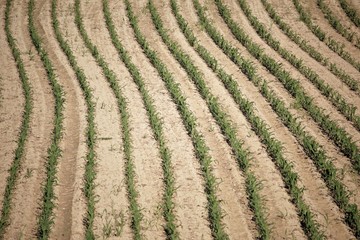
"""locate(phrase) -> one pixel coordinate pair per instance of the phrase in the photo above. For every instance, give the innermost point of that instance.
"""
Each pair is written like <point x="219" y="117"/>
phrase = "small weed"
<point x="31" y="54"/>
<point x="114" y="223"/>
<point x="119" y="223"/>
<point x="29" y="172"/>
<point x="211" y="129"/>
<point x="107" y="226"/>
<point x="112" y="148"/>
<point x="103" y="105"/>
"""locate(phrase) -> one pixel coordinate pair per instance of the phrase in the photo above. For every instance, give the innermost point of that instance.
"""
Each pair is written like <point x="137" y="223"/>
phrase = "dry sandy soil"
<point x="112" y="213"/>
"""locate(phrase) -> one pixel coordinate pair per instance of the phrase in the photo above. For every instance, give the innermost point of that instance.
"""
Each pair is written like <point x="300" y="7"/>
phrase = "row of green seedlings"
<point x="334" y="45"/>
<point x="339" y="136"/>
<point x="311" y="147"/>
<point x="273" y="146"/>
<point x="24" y="129"/>
<point x="350" y="12"/>
<point x="348" y="110"/>
<point x="215" y="213"/>
<point x="304" y="45"/>
<point x="337" y="25"/>
<point x="46" y="218"/>
<point x="135" y="211"/>
<point x="223" y="121"/>
<point x="156" y="125"/>
<point x="90" y="174"/>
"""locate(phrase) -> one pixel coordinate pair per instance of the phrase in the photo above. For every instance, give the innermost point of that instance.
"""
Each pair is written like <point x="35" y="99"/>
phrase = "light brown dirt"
<point x="356" y="5"/>
<point x="190" y="200"/>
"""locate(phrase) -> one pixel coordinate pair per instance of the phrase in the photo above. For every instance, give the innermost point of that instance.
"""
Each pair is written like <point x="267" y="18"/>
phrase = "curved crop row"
<point x="311" y="147"/>
<point x="334" y="45"/>
<point x="24" y="129"/>
<point x="340" y="137"/>
<point x="336" y="24"/>
<point x="90" y="173"/>
<point x="350" y="12"/>
<point x="201" y="150"/>
<point x="135" y="210"/>
<point x="348" y="110"/>
<point x="228" y="130"/>
<point x="303" y="44"/>
<point x="273" y="146"/>
<point x="54" y="151"/>
<point x="156" y="125"/>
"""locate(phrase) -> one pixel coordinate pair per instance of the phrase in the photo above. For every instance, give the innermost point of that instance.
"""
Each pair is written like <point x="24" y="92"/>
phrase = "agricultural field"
<point x="180" y="119"/>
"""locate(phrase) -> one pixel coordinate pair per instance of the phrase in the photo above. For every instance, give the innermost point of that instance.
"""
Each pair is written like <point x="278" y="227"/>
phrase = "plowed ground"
<point x="167" y="164"/>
